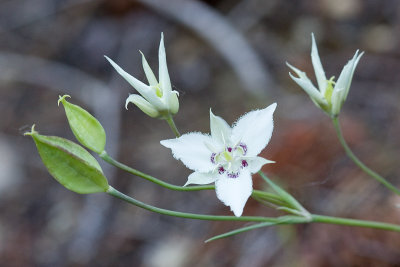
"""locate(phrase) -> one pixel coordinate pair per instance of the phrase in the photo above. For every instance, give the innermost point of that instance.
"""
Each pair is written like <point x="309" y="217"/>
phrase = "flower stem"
<point x="112" y="191"/>
<point x="150" y="178"/>
<point x="279" y="220"/>
<point x="362" y="166"/>
<point x="172" y="125"/>
<point x="354" y="222"/>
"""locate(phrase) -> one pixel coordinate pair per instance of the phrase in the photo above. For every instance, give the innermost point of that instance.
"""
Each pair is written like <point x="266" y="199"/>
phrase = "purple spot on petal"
<point x="233" y="174"/>
<point x="244" y="163"/>
<point x="212" y="158"/>
<point x="244" y="147"/>
<point x="221" y="170"/>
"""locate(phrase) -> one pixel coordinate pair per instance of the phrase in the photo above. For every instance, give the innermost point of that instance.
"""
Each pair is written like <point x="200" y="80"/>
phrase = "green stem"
<point x="354" y="222"/>
<point x="362" y="166"/>
<point x="172" y="125"/>
<point x="150" y="178"/>
<point x="112" y="191"/>
<point x="314" y="218"/>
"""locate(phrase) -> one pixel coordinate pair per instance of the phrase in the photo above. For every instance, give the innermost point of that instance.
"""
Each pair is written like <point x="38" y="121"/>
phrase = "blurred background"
<point x="228" y="55"/>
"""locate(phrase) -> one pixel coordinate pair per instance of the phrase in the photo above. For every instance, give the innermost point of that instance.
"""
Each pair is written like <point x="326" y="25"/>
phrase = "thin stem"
<point x="112" y="191"/>
<point x="358" y="162"/>
<point x="159" y="182"/>
<point x="150" y="178"/>
<point x="315" y="218"/>
<point x="172" y="125"/>
<point x="354" y="222"/>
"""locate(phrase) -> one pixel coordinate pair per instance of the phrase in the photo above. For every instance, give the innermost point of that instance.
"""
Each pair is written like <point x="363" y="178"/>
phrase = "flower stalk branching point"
<point x="227" y="157"/>
<point x="330" y="95"/>
<point x="157" y="99"/>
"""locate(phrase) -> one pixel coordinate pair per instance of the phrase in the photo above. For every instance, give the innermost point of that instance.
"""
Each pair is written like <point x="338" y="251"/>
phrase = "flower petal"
<point x="307" y="85"/>
<point x="255" y="163"/>
<point x="352" y="72"/>
<point x="234" y="192"/>
<point x="254" y="129"/>
<point x="151" y="78"/>
<point x="146" y="91"/>
<point x="337" y="100"/>
<point x="191" y="149"/>
<point x="319" y="70"/>
<point x="142" y="103"/>
<point x="201" y="178"/>
<point x="173" y="103"/>
<point x="220" y="129"/>
<point x="344" y="80"/>
<point x="163" y="75"/>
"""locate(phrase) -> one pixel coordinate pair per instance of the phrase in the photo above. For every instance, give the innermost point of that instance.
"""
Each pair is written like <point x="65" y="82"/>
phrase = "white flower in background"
<point x="157" y="99"/>
<point x="228" y="157"/>
<point x="331" y="95"/>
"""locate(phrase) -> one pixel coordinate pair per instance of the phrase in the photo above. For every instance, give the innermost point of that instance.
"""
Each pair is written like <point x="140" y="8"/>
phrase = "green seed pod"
<point x="86" y="128"/>
<point x="70" y="164"/>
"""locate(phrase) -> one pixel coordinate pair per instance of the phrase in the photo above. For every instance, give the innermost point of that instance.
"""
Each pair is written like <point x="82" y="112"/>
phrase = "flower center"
<point x="230" y="161"/>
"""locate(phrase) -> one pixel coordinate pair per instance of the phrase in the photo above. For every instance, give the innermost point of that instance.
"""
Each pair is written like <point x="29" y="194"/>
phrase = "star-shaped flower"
<point x="331" y="95"/>
<point x="157" y="99"/>
<point x="228" y="156"/>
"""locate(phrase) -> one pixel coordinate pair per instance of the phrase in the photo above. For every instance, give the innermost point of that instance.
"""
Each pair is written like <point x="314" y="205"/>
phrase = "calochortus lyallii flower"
<point x="157" y="99"/>
<point x="331" y="95"/>
<point x="228" y="156"/>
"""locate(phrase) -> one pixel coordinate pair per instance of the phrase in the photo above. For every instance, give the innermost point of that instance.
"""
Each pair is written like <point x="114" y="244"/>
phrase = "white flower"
<point x="228" y="157"/>
<point x="328" y="98"/>
<point x="157" y="99"/>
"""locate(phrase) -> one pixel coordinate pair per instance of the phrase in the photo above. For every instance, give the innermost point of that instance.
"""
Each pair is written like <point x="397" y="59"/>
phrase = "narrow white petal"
<point x="319" y="70"/>
<point x="163" y="75"/>
<point x="307" y="85"/>
<point x="151" y="78"/>
<point x="345" y="74"/>
<point x="173" y="104"/>
<point x="255" y="163"/>
<point x="143" y="104"/>
<point x="337" y="100"/>
<point x="220" y="129"/>
<point x="201" y="178"/>
<point x="146" y="91"/>
<point x="234" y="192"/>
<point x="352" y="73"/>
<point x="344" y="80"/>
<point x="191" y="150"/>
<point x="254" y="129"/>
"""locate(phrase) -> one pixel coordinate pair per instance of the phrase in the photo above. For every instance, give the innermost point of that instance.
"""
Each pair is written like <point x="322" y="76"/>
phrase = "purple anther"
<point x="229" y="149"/>
<point x="244" y="163"/>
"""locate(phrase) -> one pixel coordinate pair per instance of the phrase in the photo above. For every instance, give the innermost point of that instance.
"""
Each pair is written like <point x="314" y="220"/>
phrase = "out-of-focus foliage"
<point x="228" y="55"/>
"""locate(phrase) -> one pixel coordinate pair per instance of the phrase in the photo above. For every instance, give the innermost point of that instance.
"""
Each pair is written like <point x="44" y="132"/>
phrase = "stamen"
<point x="229" y="149"/>
<point x="244" y="163"/>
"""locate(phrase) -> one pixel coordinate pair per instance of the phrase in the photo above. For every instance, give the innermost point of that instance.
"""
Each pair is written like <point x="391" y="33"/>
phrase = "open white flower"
<point x="228" y="157"/>
<point x="157" y="99"/>
<point x="329" y="98"/>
